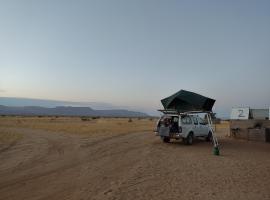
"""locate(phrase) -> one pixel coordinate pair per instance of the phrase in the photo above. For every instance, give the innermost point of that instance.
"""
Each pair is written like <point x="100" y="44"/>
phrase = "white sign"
<point x="240" y="113"/>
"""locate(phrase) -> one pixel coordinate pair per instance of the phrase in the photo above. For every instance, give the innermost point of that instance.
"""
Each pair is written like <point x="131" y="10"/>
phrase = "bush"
<point x="85" y="118"/>
<point x="129" y="120"/>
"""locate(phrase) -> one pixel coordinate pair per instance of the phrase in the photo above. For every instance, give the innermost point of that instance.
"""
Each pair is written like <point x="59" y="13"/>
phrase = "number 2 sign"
<point x="240" y="113"/>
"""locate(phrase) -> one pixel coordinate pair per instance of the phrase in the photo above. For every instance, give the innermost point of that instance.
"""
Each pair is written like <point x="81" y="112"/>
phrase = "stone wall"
<point x="253" y="130"/>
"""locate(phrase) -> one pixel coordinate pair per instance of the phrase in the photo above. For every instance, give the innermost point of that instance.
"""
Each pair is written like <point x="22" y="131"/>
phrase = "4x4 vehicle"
<point x="187" y="127"/>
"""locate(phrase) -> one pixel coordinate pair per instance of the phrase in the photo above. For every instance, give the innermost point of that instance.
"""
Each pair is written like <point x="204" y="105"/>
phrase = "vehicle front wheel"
<point x="189" y="139"/>
<point x="166" y="139"/>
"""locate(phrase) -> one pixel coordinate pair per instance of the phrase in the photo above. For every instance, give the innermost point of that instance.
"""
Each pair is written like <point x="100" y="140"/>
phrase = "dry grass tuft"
<point x="8" y="138"/>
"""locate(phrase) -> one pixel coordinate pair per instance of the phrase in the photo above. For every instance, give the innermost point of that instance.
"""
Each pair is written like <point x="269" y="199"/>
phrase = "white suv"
<point x="186" y="127"/>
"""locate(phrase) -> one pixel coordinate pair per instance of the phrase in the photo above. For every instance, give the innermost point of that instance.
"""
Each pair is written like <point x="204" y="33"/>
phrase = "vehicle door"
<point x="196" y="126"/>
<point x="164" y="129"/>
<point x="175" y="124"/>
<point x="203" y="127"/>
<point x="186" y="124"/>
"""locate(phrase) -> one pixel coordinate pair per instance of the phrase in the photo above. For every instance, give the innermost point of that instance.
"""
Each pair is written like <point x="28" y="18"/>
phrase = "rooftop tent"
<point x="185" y="101"/>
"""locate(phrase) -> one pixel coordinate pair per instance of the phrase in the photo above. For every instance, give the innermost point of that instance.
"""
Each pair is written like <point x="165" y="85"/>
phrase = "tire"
<point x="209" y="137"/>
<point x="189" y="139"/>
<point x="165" y="139"/>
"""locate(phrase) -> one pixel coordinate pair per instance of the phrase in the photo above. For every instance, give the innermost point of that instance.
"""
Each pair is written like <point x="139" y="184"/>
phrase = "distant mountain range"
<point x="31" y="107"/>
<point x="14" y="101"/>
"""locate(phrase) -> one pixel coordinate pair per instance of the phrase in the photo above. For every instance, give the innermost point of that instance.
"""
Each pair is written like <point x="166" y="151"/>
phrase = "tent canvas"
<point x="185" y="101"/>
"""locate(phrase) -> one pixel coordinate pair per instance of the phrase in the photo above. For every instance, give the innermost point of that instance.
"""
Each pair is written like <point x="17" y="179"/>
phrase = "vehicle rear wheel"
<point x="189" y="139"/>
<point x="166" y="139"/>
<point x="209" y="137"/>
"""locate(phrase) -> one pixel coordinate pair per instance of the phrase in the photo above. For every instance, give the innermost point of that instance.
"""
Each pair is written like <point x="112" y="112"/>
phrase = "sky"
<point x="133" y="53"/>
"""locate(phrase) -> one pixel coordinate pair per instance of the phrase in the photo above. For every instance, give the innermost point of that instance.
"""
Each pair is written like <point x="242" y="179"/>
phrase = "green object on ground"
<point x="216" y="151"/>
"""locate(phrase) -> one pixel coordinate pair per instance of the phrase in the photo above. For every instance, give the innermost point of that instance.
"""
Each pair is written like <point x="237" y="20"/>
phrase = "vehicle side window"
<point x="186" y="120"/>
<point x="201" y="121"/>
<point x="165" y="121"/>
<point x="189" y="120"/>
<point x="175" y="119"/>
<point x="195" y="120"/>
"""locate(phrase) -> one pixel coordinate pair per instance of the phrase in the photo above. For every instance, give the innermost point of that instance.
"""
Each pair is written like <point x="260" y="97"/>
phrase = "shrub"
<point x="85" y="118"/>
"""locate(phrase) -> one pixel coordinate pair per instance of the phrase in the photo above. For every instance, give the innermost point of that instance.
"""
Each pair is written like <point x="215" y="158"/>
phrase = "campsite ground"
<point x="71" y="158"/>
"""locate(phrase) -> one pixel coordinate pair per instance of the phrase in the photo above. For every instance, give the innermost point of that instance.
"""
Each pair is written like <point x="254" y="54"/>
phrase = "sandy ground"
<point x="50" y="165"/>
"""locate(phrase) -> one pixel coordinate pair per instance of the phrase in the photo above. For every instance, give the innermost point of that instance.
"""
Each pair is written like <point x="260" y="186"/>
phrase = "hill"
<point x="66" y="111"/>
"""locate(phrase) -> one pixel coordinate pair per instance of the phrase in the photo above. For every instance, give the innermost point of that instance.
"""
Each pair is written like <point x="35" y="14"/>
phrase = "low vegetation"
<point x="81" y="125"/>
<point x="8" y="138"/>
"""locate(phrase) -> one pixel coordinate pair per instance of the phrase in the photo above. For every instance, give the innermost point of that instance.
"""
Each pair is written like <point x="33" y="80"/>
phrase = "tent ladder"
<point x="214" y="138"/>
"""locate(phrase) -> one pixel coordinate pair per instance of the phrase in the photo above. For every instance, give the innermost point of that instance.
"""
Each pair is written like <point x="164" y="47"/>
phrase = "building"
<point x="259" y="114"/>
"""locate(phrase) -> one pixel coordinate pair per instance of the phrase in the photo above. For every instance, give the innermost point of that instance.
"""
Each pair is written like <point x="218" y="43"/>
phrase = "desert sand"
<point x="48" y="162"/>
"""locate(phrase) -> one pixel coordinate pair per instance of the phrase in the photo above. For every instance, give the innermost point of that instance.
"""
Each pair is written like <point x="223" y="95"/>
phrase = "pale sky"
<point x="134" y="53"/>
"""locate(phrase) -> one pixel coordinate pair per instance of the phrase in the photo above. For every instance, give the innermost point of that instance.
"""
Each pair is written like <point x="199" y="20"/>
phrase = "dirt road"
<point x="47" y="165"/>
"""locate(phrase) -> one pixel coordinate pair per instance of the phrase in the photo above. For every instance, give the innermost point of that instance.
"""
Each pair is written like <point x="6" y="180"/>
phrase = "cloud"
<point x="2" y="91"/>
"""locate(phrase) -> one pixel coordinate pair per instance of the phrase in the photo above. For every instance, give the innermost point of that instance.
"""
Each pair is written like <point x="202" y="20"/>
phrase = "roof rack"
<point x="172" y="111"/>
